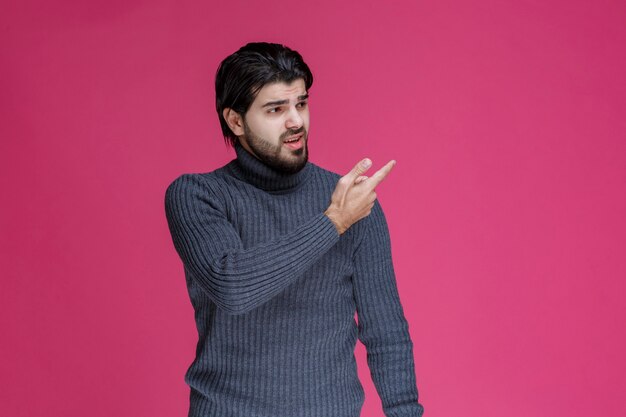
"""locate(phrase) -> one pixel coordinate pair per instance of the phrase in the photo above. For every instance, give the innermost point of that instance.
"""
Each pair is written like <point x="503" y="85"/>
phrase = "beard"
<point x="270" y="154"/>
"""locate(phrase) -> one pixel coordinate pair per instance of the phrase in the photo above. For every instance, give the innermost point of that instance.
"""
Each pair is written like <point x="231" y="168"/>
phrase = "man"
<point x="279" y="254"/>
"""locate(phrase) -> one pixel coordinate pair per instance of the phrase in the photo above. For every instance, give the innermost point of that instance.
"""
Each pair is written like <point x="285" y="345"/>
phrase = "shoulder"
<point x="323" y="172"/>
<point x="190" y="189"/>
<point x="323" y="177"/>
<point x="199" y="181"/>
<point x="375" y="221"/>
<point x="191" y="182"/>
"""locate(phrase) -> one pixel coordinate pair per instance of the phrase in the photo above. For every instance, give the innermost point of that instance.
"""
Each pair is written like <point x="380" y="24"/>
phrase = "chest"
<point x="260" y="216"/>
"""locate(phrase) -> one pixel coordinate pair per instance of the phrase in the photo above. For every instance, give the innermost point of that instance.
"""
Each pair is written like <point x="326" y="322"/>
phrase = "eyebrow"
<point x="281" y="102"/>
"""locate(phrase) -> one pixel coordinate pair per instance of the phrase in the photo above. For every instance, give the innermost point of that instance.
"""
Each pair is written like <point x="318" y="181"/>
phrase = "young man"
<point x="279" y="254"/>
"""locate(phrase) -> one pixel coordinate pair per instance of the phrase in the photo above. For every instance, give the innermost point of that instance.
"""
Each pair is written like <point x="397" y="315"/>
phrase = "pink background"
<point x="507" y="208"/>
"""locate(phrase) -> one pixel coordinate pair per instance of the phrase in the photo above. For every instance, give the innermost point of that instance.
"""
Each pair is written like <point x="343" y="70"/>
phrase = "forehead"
<point x="280" y="91"/>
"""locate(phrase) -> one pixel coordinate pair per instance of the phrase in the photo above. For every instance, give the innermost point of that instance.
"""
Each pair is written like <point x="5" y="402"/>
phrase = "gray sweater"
<point x="275" y="290"/>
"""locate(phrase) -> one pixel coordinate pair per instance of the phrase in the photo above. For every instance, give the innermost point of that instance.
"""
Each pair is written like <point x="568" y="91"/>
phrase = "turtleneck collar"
<point x="251" y="170"/>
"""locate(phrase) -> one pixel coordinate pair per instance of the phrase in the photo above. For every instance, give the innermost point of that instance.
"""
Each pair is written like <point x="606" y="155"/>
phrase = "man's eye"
<point x="302" y="104"/>
<point x="274" y="110"/>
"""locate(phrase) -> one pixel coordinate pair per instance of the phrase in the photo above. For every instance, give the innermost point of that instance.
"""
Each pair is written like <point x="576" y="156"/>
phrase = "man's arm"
<point x="383" y="328"/>
<point x="238" y="279"/>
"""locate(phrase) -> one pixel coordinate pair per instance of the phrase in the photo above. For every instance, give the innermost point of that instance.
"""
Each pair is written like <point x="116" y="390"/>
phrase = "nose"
<point x="294" y="119"/>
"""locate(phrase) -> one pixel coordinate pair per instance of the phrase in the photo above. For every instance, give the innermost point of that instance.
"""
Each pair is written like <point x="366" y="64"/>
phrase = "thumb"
<point x="359" y="169"/>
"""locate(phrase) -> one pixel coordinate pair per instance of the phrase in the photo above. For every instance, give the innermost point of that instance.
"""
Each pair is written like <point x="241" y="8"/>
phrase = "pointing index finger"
<point x="382" y="173"/>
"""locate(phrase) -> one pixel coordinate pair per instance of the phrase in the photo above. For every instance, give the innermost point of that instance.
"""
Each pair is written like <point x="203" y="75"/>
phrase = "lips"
<point x="294" y="142"/>
<point x="293" y="138"/>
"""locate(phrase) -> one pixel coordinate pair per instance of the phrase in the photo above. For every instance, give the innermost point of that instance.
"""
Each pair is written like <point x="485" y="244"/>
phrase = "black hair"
<point x="241" y="75"/>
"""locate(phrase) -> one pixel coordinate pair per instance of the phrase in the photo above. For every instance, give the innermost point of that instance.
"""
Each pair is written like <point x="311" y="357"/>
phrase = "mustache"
<point x="292" y="132"/>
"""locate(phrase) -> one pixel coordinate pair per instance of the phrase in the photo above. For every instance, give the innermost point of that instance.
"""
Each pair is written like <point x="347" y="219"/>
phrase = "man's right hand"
<point x="354" y="195"/>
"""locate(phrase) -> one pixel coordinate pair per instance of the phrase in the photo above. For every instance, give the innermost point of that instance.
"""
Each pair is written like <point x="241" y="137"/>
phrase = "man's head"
<point x="261" y="95"/>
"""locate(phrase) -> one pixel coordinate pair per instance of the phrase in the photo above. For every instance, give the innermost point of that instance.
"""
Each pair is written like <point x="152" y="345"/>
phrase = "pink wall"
<point x="507" y="207"/>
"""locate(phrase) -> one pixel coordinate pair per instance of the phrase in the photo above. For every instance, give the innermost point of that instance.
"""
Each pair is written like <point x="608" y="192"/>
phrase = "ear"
<point x="234" y="121"/>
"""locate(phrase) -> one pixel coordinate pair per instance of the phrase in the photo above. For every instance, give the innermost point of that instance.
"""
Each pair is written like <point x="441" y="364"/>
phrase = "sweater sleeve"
<point x="237" y="279"/>
<point x="383" y="329"/>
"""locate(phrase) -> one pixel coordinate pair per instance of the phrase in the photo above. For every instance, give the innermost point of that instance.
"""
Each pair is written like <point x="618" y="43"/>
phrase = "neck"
<point x="249" y="168"/>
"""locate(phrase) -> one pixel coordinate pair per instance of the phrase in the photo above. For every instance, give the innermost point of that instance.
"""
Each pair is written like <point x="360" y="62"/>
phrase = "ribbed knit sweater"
<point x="275" y="290"/>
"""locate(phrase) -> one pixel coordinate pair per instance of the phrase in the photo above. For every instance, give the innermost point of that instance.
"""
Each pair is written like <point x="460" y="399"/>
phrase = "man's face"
<point x="276" y="126"/>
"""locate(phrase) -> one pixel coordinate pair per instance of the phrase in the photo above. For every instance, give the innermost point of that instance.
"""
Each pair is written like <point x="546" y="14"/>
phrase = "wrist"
<point x="334" y="218"/>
